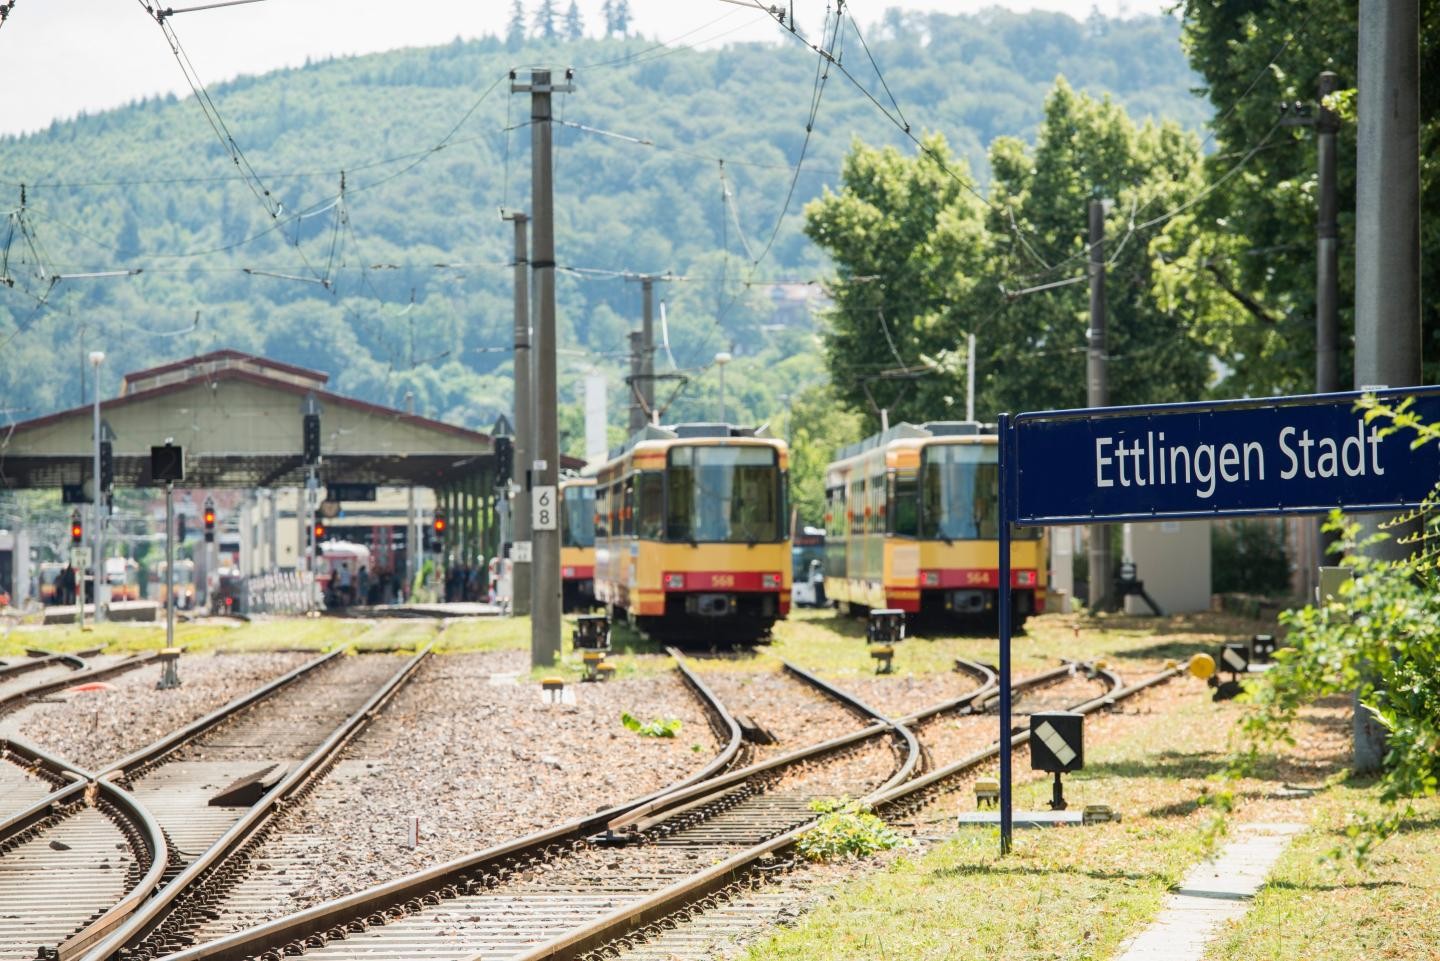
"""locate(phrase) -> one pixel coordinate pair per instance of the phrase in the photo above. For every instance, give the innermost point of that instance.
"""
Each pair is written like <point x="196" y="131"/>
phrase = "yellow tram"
<point x="691" y="533"/>
<point x="577" y="543"/>
<point x="912" y="523"/>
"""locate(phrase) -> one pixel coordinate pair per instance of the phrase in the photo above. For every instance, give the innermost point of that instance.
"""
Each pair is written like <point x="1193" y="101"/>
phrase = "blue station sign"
<point x="1290" y="455"/>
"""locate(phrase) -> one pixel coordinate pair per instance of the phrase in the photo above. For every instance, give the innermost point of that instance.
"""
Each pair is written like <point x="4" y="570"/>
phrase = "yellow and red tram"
<point x="691" y="533"/>
<point x="577" y="543"/>
<point x="912" y="523"/>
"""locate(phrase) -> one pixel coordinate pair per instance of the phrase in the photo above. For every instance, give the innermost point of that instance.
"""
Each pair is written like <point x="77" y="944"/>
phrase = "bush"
<point x="845" y="830"/>
<point x="1248" y="557"/>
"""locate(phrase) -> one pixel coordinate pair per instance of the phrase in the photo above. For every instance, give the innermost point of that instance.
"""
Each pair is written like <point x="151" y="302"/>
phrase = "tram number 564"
<point x="542" y="508"/>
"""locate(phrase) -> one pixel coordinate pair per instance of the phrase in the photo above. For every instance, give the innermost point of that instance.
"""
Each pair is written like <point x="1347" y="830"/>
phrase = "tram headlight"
<point x="770" y="582"/>
<point x="932" y="578"/>
<point x="1024" y="578"/>
<point x="674" y="582"/>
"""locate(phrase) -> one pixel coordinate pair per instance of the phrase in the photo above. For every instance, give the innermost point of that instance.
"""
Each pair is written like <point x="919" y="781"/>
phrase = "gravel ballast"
<point x="478" y="757"/>
<point x="93" y="728"/>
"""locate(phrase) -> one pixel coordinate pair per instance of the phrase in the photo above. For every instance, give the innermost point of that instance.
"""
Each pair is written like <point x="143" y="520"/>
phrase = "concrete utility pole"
<point x="545" y="469"/>
<point x="646" y="385"/>
<point x="1327" y="251"/>
<point x="524" y="419"/>
<point x="413" y="537"/>
<point x="1097" y="395"/>
<point x="638" y="415"/>
<point x="1387" y="239"/>
<point x="97" y="536"/>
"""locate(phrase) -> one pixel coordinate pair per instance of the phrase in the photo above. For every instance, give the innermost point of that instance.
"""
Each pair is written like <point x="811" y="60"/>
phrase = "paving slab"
<point x="1213" y="893"/>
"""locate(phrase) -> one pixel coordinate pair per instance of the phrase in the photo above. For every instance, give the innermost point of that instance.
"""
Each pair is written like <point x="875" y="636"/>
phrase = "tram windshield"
<point x="725" y="494"/>
<point x="577" y="517"/>
<point x="960" y="494"/>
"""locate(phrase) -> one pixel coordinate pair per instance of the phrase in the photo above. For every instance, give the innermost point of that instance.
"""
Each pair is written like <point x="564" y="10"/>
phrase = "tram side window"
<point x="904" y="503"/>
<point x="650" y="505"/>
<point x="627" y="519"/>
<point x="602" y="510"/>
<point x="877" y="504"/>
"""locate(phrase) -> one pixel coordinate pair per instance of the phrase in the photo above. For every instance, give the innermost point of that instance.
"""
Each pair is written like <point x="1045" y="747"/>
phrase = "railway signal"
<point x="319" y="531"/>
<point x="504" y="460"/>
<point x="77" y="529"/>
<point x="209" y="521"/>
<point x="1057" y="746"/>
<point x="107" y="465"/>
<point x="312" y="438"/>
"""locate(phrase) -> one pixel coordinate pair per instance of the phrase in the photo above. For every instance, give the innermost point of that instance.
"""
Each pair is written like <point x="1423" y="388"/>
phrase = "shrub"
<point x="1248" y="557"/>
<point x="844" y="830"/>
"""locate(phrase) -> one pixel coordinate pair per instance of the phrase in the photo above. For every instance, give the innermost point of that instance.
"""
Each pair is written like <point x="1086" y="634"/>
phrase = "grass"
<point x="1076" y="893"/>
<point x="1322" y="910"/>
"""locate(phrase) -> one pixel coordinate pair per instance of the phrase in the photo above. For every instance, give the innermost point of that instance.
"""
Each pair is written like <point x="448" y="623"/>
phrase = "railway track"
<point x="151" y="813"/>
<point x="502" y="901"/>
<point x="57" y="672"/>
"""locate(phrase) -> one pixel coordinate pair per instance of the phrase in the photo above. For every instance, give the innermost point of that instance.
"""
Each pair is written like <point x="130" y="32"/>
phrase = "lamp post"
<point x="721" y="359"/>
<point x="97" y="542"/>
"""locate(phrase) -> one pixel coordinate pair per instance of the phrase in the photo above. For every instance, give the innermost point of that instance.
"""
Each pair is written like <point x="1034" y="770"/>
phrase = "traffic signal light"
<point x="436" y="536"/>
<point x="107" y="465"/>
<point x="209" y="522"/>
<point x="77" y="530"/>
<point x="504" y="460"/>
<point x="319" y="531"/>
<point x="312" y="438"/>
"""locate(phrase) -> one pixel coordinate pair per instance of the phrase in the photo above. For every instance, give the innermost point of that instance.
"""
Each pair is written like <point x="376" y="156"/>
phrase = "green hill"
<point x="403" y="284"/>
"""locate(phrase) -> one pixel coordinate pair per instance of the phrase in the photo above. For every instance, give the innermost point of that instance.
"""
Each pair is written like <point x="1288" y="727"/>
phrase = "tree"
<point x="545" y="21"/>
<point x="904" y="236"/>
<point x="923" y="260"/>
<point x="515" y="30"/>
<point x="1032" y="346"/>
<point x="1249" y="248"/>
<point x="619" y="18"/>
<point x="574" y="24"/>
<point x="816" y="427"/>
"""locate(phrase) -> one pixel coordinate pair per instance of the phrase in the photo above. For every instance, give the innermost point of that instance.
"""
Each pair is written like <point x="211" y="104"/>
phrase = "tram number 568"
<point x="543" y="515"/>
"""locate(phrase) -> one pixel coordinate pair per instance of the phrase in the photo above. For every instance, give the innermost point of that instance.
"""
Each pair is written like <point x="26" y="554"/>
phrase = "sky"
<point x="61" y="57"/>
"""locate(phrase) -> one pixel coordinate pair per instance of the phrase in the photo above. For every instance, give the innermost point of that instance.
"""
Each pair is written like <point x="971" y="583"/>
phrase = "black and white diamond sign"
<point x="1057" y="742"/>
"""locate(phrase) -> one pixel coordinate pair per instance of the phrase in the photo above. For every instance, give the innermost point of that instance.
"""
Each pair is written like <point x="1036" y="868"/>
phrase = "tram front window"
<point x="577" y="524"/>
<point x="724" y="494"/>
<point x="960" y="494"/>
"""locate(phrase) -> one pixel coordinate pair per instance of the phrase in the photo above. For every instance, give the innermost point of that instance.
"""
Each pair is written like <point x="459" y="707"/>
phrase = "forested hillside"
<point x="400" y="281"/>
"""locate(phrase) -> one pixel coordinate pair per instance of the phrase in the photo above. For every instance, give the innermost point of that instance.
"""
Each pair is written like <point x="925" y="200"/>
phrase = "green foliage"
<point x="1381" y="639"/>
<point x="1245" y="257"/>
<point x="818" y="427"/>
<point x="418" y="292"/>
<point x="659" y="727"/>
<point x="922" y="262"/>
<point x="1248" y="557"/>
<point x="845" y="830"/>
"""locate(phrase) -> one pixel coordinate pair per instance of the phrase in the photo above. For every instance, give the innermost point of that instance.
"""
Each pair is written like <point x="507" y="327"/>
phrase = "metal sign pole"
<point x="170" y="563"/>
<point x="1006" y="510"/>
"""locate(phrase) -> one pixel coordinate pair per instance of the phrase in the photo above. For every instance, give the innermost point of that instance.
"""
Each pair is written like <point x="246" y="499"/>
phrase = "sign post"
<point x="1306" y="454"/>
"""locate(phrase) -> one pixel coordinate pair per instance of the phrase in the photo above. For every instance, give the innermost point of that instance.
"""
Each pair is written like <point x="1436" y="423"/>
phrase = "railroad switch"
<point x="884" y="655"/>
<point x="554" y="689"/>
<point x="169" y="673"/>
<point x="987" y="792"/>
<point x="593" y="660"/>
<point x="1098" y="814"/>
<point x="1057" y="745"/>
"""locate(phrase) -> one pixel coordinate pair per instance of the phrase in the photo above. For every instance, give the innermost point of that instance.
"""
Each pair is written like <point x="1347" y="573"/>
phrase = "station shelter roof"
<point x="238" y="418"/>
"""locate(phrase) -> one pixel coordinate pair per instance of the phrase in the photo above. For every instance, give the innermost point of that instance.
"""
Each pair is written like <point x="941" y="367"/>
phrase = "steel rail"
<point x="15" y="824"/>
<point x="123" y="806"/>
<point x="389" y="900"/>
<point x="663" y="904"/>
<point x="9" y="702"/>
<point x="152" y="754"/>
<point x="39" y="659"/>
<point x="900" y="730"/>
<point x="158" y="908"/>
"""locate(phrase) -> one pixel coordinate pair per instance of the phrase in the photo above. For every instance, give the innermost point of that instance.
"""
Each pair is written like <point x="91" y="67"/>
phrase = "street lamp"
<point x="721" y="359"/>
<point x="97" y="560"/>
